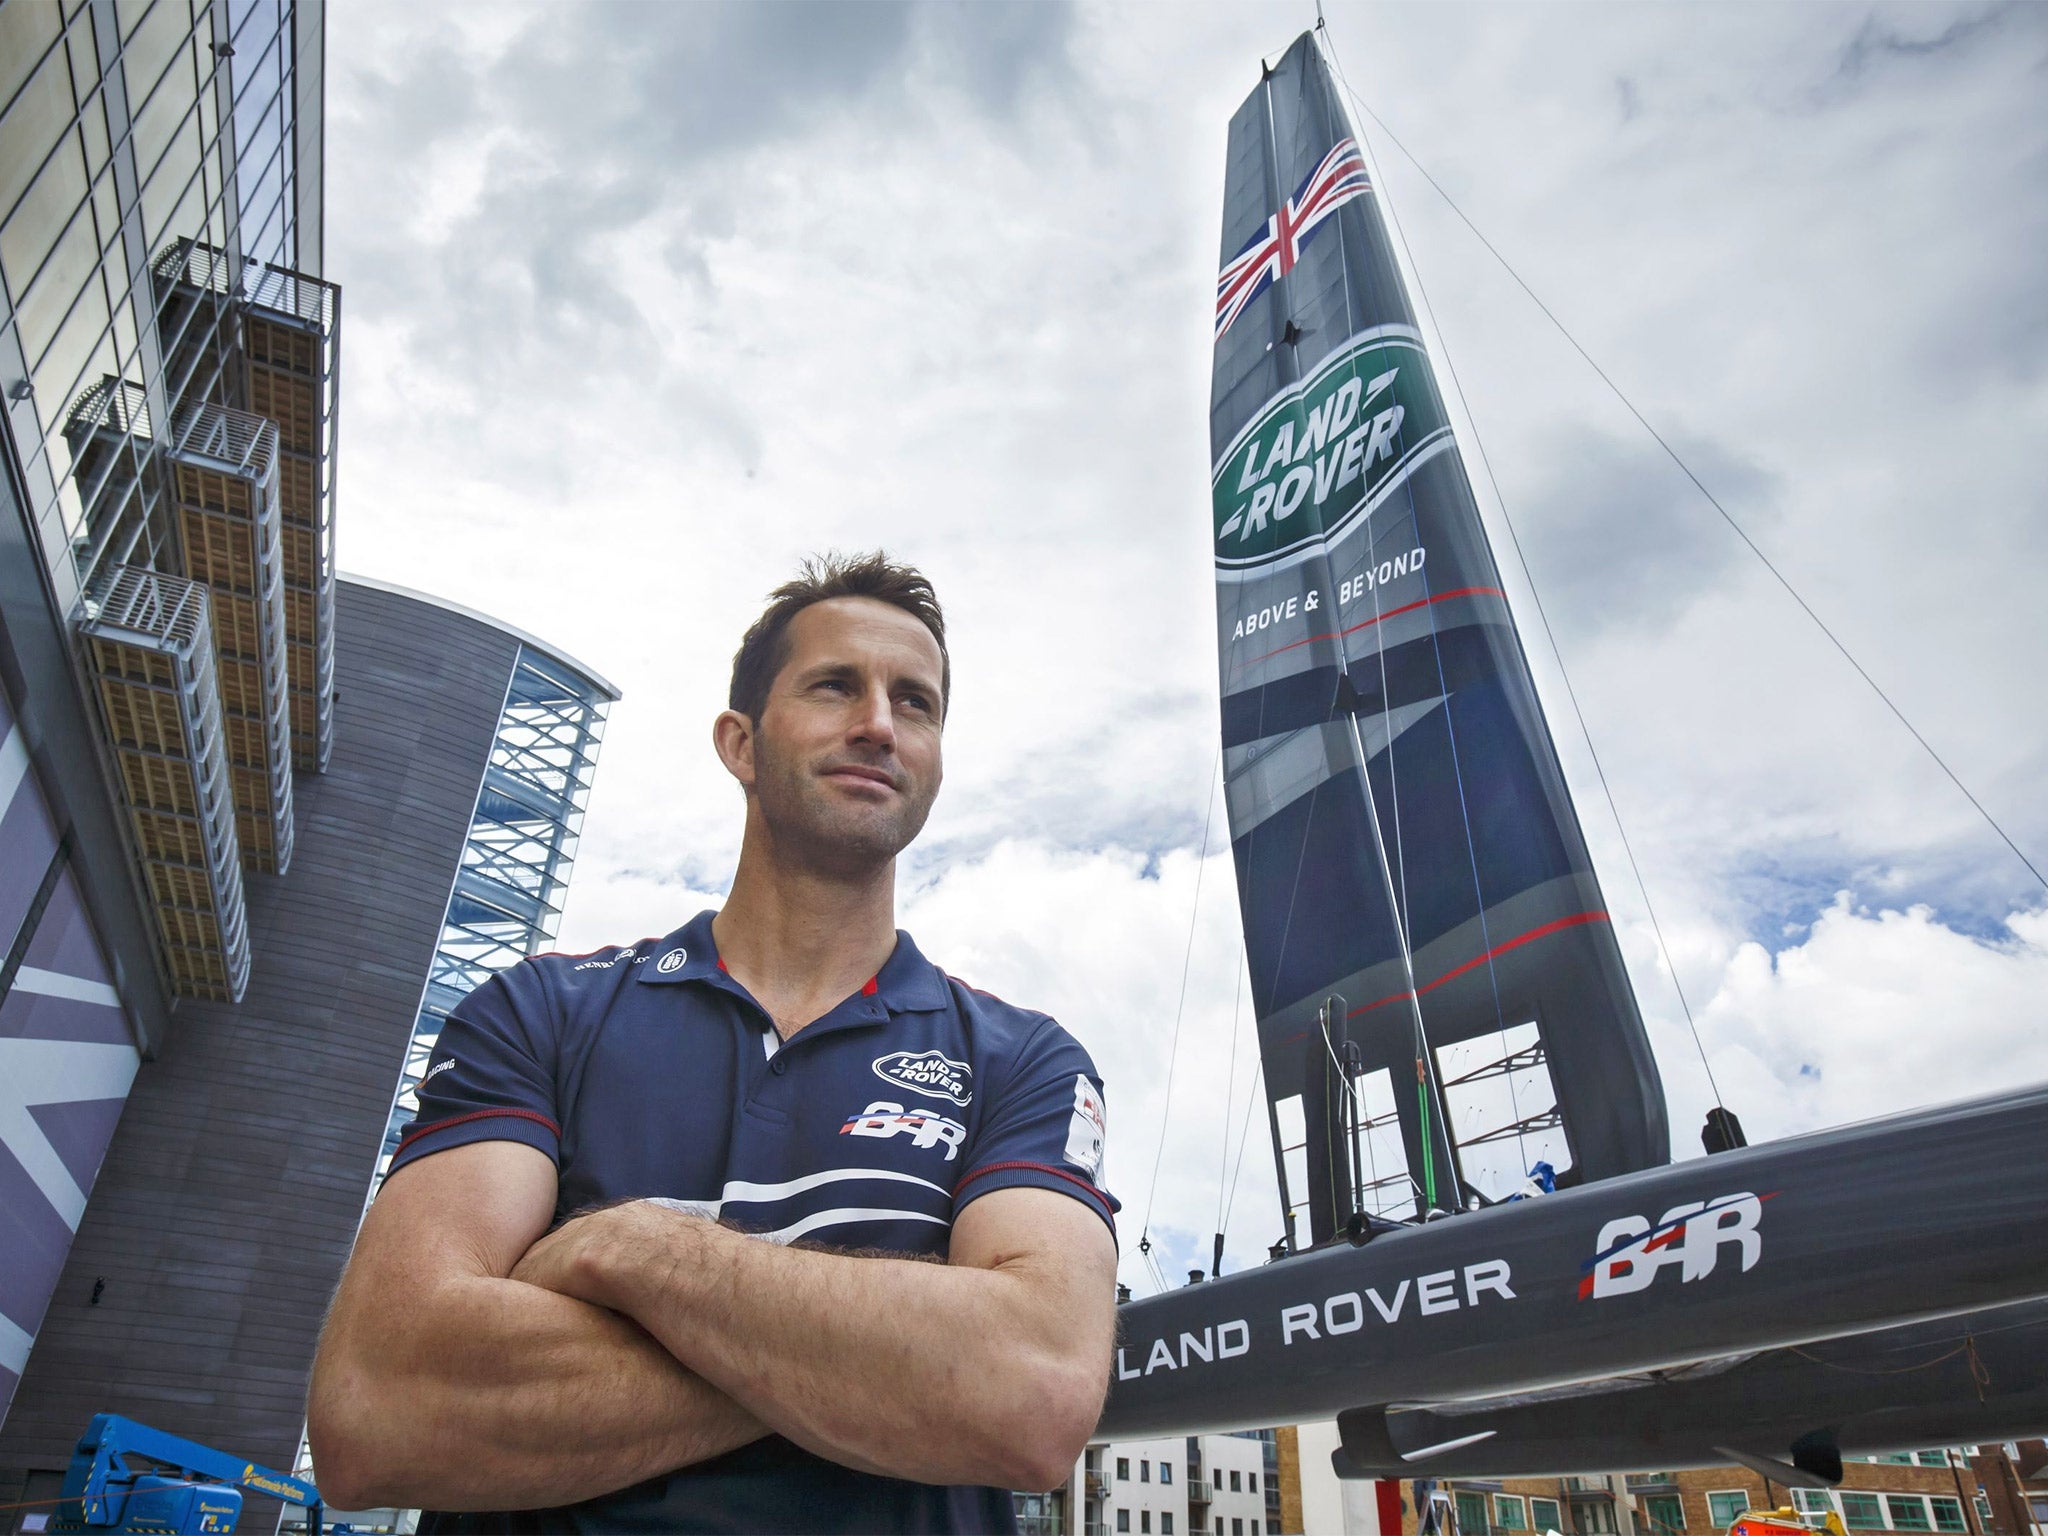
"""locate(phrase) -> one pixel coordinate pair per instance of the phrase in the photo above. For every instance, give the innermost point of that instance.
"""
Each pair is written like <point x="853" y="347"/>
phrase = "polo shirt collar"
<point x="906" y="983"/>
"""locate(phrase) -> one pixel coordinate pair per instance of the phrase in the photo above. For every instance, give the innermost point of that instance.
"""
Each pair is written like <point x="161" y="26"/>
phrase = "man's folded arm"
<point x="988" y="1369"/>
<point x="441" y="1383"/>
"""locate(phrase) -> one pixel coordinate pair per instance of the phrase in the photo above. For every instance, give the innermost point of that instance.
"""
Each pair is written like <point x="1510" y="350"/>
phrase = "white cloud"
<point x="644" y="303"/>
<point x="1876" y="1011"/>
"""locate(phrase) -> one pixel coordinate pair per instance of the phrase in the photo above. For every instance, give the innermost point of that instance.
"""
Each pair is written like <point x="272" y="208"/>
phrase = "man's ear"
<point x="732" y="735"/>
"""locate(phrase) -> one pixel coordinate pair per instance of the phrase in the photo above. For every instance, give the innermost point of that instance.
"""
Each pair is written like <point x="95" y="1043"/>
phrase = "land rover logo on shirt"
<point x="673" y="961"/>
<point x="928" y="1072"/>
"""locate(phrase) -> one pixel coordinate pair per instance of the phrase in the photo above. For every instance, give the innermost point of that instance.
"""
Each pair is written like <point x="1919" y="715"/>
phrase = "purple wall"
<point x="66" y="1059"/>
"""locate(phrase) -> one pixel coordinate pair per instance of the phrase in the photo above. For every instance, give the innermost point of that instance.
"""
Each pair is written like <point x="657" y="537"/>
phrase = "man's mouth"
<point x="862" y="774"/>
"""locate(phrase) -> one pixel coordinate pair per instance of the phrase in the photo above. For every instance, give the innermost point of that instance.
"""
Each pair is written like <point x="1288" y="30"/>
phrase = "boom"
<point x="100" y="1485"/>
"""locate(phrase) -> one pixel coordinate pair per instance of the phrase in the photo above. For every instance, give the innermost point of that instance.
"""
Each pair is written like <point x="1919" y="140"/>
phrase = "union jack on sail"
<point x="1272" y="252"/>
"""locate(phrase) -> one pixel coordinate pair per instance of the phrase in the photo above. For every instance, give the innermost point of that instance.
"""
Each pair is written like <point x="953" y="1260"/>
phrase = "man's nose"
<point x="875" y="720"/>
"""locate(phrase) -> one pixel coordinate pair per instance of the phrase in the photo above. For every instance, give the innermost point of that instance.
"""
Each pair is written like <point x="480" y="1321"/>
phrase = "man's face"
<point x="846" y="752"/>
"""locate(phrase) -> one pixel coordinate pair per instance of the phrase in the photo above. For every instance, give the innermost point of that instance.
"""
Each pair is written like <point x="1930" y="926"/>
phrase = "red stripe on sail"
<point x="1420" y="602"/>
<point x="1577" y="919"/>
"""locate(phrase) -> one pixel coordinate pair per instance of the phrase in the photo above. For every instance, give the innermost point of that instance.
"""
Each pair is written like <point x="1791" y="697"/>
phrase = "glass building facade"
<point x="507" y="900"/>
<point x="167" y="412"/>
<point x="150" y="160"/>
<point x="260" y="827"/>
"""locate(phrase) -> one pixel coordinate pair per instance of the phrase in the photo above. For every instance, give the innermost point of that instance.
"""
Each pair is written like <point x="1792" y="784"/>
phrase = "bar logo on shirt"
<point x="928" y="1072"/>
<point x="1085" y="1132"/>
<point x="924" y="1130"/>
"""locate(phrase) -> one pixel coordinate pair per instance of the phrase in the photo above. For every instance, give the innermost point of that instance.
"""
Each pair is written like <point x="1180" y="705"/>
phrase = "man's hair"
<point x="764" y="650"/>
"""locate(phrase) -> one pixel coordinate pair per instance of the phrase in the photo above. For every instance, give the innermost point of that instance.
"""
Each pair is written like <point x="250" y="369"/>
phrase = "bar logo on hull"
<point x="1632" y="1252"/>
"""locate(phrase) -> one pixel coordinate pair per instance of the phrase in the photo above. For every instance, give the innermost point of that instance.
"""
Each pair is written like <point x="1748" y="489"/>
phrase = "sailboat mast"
<point x="1285" y="338"/>
<point x="1403" y="834"/>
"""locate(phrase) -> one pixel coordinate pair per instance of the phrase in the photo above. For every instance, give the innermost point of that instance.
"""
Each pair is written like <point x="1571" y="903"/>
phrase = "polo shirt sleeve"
<point x="1044" y="1129"/>
<point x="491" y="1075"/>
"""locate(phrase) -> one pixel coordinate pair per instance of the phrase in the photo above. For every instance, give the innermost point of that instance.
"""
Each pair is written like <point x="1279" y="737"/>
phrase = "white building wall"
<point x="1146" y="1483"/>
<point x="1330" y="1505"/>
<point x="1221" y="1456"/>
<point x="1153" y="1488"/>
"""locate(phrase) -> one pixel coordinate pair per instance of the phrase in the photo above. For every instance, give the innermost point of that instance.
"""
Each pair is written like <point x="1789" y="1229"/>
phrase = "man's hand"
<point x="579" y="1257"/>
<point x="989" y="1369"/>
<point x="442" y="1383"/>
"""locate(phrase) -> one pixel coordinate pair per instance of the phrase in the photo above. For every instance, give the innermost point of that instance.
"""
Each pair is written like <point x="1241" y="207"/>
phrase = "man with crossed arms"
<point x="929" y="1321"/>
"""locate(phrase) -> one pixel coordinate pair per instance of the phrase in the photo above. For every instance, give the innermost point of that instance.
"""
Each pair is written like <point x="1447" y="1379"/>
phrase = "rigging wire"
<point x="1180" y="1008"/>
<point x="1358" y="1106"/>
<point x="1685" y="469"/>
<point x="1522" y="559"/>
<point x="1244" y="1136"/>
<point x="1230" y="1085"/>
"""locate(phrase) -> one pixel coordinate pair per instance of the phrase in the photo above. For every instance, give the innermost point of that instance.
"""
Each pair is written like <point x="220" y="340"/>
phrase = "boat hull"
<point x="1979" y="1377"/>
<point x="1912" y="1218"/>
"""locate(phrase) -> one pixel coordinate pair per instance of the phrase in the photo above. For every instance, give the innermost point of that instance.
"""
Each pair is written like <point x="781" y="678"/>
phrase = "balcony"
<point x="222" y="467"/>
<point x="287" y="368"/>
<point x="150" y="651"/>
<point x="111" y="437"/>
<point x="291" y="348"/>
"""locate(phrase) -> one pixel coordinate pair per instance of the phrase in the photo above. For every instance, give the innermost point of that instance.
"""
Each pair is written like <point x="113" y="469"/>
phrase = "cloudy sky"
<point x="644" y="302"/>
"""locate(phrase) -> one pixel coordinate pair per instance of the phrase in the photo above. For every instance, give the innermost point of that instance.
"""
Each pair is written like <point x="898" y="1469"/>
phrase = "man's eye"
<point x="918" y="701"/>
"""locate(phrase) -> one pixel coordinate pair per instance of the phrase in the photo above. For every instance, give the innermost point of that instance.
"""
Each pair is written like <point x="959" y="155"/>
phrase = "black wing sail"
<point x="1386" y="760"/>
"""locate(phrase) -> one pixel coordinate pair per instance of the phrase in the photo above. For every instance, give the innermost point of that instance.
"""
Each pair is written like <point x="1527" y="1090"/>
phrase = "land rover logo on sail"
<point x="928" y="1072"/>
<point x="1324" y="450"/>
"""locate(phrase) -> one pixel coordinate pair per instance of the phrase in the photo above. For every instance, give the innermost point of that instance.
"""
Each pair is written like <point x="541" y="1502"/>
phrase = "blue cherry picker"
<point x="125" y="1476"/>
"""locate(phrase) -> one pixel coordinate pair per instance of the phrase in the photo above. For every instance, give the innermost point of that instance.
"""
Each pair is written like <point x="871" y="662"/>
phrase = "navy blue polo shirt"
<point x="648" y="1071"/>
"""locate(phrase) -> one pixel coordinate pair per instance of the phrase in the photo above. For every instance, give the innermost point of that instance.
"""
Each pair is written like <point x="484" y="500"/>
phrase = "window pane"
<point x="45" y="217"/>
<point x="25" y="31"/>
<point x="41" y="115"/>
<point x="1509" y="1513"/>
<point x="1948" y="1515"/>
<point x="1546" y="1515"/>
<point x="1724" y="1509"/>
<point x="1666" y="1514"/>
<point x="1908" y="1512"/>
<point x="1813" y="1500"/>
<point x="1860" y="1511"/>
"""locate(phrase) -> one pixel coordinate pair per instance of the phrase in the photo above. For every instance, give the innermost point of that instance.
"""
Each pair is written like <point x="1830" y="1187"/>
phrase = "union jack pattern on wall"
<point x="1273" y="251"/>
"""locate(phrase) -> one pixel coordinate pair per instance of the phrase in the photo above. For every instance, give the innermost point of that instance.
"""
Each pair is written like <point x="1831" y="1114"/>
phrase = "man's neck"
<point x="802" y="941"/>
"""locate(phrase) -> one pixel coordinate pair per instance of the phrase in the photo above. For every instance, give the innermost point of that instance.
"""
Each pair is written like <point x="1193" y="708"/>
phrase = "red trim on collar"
<point x="721" y="965"/>
<point x="874" y="985"/>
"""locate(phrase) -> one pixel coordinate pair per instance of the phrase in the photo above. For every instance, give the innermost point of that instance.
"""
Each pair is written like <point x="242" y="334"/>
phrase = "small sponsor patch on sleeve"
<point x="1086" y="1130"/>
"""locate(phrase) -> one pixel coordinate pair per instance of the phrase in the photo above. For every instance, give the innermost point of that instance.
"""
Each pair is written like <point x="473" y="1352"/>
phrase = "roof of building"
<point x="605" y="685"/>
